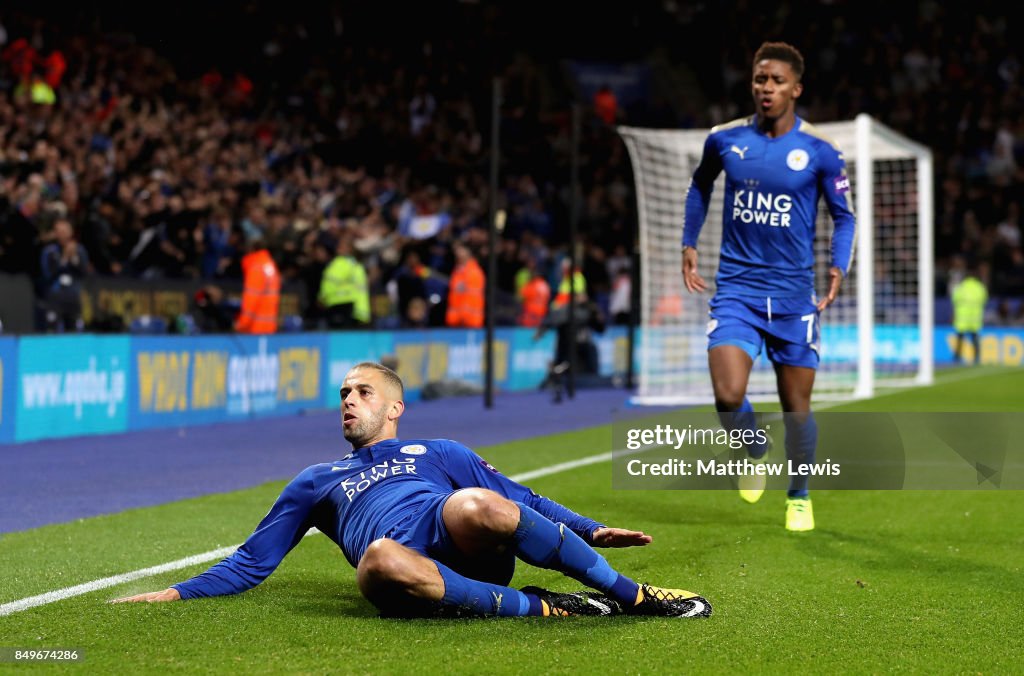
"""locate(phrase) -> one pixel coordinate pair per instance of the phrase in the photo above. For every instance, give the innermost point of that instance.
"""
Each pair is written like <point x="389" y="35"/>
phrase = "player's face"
<point x="366" y="402"/>
<point x="775" y="88"/>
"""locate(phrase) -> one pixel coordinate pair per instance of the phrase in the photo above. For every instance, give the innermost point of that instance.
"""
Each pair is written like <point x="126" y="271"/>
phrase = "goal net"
<point x="877" y="333"/>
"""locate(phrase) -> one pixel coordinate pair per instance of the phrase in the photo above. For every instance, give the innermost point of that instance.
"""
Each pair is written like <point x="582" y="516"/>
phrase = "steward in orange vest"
<point x="535" y="297"/>
<point x="261" y="293"/>
<point x="465" y="291"/>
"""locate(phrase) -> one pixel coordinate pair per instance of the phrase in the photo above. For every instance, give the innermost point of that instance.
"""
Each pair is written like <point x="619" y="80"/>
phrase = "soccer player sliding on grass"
<point x="433" y="530"/>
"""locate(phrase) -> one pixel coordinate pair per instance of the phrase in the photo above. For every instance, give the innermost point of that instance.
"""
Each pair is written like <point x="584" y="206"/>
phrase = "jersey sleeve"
<point x="835" y="188"/>
<point x="278" y="532"/>
<point x="698" y="195"/>
<point x="469" y="470"/>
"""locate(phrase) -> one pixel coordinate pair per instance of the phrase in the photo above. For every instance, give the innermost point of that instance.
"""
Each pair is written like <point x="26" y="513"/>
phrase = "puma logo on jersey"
<point x="738" y="151"/>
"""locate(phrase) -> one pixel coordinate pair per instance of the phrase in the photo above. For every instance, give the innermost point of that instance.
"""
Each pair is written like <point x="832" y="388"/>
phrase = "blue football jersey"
<point x="363" y="497"/>
<point x="772" y="188"/>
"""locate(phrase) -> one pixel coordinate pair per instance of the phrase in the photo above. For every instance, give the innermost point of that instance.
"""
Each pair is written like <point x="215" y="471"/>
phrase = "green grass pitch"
<point x="911" y="581"/>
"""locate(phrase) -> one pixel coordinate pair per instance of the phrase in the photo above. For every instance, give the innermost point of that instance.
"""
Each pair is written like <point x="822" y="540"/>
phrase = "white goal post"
<point x="880" y="330"/>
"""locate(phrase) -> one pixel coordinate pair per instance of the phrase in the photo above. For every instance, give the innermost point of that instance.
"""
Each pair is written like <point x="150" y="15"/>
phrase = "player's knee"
<point x="729" y="398"/>
<point x="480" y="512"/>
<point x="386" y="564"/>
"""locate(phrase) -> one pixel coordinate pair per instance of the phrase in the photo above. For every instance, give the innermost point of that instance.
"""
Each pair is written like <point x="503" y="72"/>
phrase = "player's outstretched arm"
<point x="619" y="537"/>
<point x="169" y="594"/>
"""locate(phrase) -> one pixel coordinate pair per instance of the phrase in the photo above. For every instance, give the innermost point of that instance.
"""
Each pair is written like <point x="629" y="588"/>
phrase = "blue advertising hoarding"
<point x="1001" y="346"/>
<point x="218" y="378"/>
<point x="8" y="387"/>
<point x="72" y="385"/>
<point x="529" y="358"/>
<point x="894" y="344"/>
<point x="58" y="386"/>
<point x="276" y="375"/>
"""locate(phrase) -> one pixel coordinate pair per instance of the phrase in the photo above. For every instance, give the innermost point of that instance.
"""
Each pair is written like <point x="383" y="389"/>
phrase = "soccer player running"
<point x="433" y="529"/>
<point x="777" y="167"/>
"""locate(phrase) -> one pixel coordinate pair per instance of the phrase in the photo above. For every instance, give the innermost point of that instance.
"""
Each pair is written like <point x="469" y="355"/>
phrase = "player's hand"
<point x="692" y="280"/>
<point x="835" y="280"/>
<point x="170" y="594"/>
<point x="619" y="537"/>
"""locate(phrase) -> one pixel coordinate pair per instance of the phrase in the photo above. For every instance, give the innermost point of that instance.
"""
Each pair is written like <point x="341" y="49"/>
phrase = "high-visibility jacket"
<point x="344" y="281"/>
<point x="466" y="296"/>
<point x="969" y="298"/>
<point x="535" y="297"/>
<point x="579" y="285"/>
<point x="261" y="294"/>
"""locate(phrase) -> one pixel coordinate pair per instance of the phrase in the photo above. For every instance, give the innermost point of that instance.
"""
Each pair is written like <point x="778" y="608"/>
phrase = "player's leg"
<point x="792" y="346"/>
<point x="478" y="520"/>
<point x="976" y="342"/>
<point x="957" y="347"/>
<point x="795" y="384"/>
<point x="403" y="582"/>
<point x="391" y="575"/>
<point x="730" y="367"/>
<point x="734" y="342"/>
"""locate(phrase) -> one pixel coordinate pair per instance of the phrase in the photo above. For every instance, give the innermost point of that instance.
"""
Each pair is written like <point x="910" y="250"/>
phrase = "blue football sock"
<point x="744" y="419"/>
<point x="546" y="544"/>
<point x="485" y="598"/>
<point x="801" y="442"/>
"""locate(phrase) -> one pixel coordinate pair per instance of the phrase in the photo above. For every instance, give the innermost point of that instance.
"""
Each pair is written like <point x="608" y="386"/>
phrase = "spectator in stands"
<point x="465" y="290"/>
<point x="261" y="291"/>
<point x="101" y="239"/>
<point x="508" y="262"/>
<point x="318" y="253"/>
<point x="606" y="105"/>
<point x="1010" y="284"/>
<point x="620" y="302"/>
<point x="408" y="281"/>
<point x="416" y="315"/>
<point x="63" y="265"/>
<point x="212" y="312"/>
<point x="220" y="245"/>
<point x="422" y="108"/>
<point x="127" y="124"/>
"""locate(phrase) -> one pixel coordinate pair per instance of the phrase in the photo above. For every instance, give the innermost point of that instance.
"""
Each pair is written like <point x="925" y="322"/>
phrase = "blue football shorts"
<point x="424" y="531"/>
<point x="788" y="329"/>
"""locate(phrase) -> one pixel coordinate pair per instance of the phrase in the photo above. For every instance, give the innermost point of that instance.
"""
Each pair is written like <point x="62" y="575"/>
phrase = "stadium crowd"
<point x="323" y="142"/>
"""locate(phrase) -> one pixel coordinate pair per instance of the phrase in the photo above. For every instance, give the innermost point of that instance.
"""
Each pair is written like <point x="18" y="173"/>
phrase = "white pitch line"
<point x="214" y="554"/>
<point x="103" y="583"/>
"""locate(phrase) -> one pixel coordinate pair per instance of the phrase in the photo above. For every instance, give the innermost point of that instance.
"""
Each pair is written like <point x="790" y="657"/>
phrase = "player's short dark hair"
<point x="390" y="376"/>
<point x="781" y="51"/>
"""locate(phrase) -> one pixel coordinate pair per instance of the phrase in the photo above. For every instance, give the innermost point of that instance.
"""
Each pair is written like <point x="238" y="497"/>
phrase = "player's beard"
<point x="366" y="429"/>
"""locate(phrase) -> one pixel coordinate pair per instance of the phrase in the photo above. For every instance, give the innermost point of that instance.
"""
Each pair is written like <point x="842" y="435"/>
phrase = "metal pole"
<point x="574" y="217"/>
<point x="634" y="315"/>
<point x="492" y="245"/>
